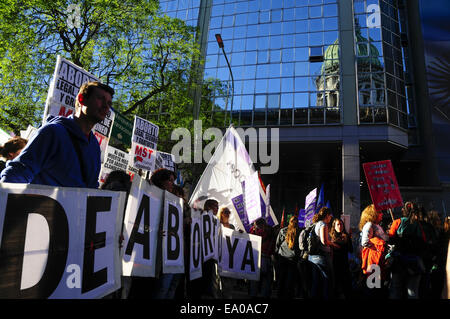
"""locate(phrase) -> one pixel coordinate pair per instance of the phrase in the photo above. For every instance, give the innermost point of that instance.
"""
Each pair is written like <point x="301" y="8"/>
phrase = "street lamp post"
<point x="220" y="43"/>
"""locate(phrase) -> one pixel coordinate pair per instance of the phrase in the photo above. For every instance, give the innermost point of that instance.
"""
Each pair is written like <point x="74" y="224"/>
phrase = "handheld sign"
<point x="195" y="270"/>
<point x="141" y="228"/>
<point x="173" y="243"/>
<point x="59" y="242"/>
<point x="241" y="255"/>
<point x="383" y="185"/>
<point x="143" y="146"/>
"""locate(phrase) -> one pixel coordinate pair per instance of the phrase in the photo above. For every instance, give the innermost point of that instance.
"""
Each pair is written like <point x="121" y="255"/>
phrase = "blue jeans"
<point x="167" y="285"/>
<point x="321" y="276"/>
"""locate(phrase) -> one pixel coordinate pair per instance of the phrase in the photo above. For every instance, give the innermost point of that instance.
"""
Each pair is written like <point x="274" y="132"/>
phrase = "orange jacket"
<point x="371" y="255"/>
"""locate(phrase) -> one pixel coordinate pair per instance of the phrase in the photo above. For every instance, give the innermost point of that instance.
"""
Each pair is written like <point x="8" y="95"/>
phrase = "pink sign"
<point x="383" y="185"/>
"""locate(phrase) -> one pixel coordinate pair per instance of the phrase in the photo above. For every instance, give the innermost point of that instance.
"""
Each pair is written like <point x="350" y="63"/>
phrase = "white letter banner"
<point x="141" y="228"/>
<point x="252" y="197"/>
<point x="210" y="228"/>
<point x="173" y="244"/>
<point x="195" y="256"/>
<point x="241" y="255"/>
<point x="59" y="242"/>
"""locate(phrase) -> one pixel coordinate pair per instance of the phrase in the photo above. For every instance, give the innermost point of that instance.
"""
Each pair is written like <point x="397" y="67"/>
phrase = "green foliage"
<point x="129" y="45"/>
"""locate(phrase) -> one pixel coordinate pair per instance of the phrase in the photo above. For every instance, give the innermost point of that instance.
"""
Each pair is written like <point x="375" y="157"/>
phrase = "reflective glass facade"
<point x="285" y="60"/>
<point x="282" y="54"/>
<point x="186" y="10"/>
<point x="382" y="96"/>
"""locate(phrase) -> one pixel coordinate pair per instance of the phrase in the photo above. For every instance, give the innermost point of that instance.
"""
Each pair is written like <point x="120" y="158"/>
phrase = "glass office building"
<point x="336" y="77"/>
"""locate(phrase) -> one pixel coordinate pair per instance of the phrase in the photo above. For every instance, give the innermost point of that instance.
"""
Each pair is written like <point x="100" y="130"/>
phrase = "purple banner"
<point x="301" y="218"/>
<point x="239" y="205"/>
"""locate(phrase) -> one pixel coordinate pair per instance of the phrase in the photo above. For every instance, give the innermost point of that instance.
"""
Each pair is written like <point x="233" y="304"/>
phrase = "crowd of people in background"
<point x="388" y="258"/>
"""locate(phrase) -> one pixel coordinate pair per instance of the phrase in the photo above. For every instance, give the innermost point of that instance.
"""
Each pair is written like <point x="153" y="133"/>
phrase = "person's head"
<point x="93" y="101"/>
<point x="337" y="228"/>
<point x="163" y="178"/>
<point x="411" y="210"/>
<point x="370" y="214"/>
<point x="117" y="181"/>
<point x="211" y="204"/>
<point x="292" y="231"/>
<point x="260" y="222"/>
<point x="224" y="215"/>
<point x="434" y="219"/>
<point x="12" y="148"/>
<point x="324" y="215"/>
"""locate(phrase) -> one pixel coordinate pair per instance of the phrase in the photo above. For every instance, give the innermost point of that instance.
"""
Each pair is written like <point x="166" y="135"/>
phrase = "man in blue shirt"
<point x="64" y="151"/>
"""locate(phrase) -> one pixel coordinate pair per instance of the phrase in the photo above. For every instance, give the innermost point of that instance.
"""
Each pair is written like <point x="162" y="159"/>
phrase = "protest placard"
<point x="173" y="243"/>
<point x="143" y="146"/>
<point x="310" y="207"/>
<point x="141" y="228"/>
<point x="67" y="80"/>
<point x="59" y="242"/>
<point x="195" y="264"/>
<point x="115" y="159"/>
<point x="240" y="255"/>
<point x="383" y="185"/>
<point x="210" y="225"/>
<point x="165" y="160"/>
<point x="252" y="197"/>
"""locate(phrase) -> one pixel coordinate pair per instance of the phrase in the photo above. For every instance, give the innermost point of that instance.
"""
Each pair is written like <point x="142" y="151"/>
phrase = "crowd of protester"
<point x="404" y="259"/>
<point x="387" y="258"/>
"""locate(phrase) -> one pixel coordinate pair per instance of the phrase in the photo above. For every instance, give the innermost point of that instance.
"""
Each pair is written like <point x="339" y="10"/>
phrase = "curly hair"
<point x="160" y="176"/>
<point x="292" y="231"/>
<point x="321" y="215"/>
<point x="369" y="214"/>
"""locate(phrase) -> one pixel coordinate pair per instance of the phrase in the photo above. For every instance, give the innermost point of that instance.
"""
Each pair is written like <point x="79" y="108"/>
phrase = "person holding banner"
<point x="64" y="151"/>
<point x="166" y="285"/>
<point x="227" y="283"/>
<point x="263" y="287"/>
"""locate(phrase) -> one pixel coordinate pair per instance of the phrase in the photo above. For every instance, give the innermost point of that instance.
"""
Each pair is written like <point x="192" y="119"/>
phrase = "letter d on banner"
<point x="12" y="249"/>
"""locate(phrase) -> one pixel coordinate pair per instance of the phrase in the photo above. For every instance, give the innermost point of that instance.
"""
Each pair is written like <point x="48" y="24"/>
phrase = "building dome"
<point x="367" y="54"/>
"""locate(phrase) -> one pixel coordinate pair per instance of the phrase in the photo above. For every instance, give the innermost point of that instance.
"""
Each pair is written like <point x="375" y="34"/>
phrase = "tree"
<point x="127" y="44"/>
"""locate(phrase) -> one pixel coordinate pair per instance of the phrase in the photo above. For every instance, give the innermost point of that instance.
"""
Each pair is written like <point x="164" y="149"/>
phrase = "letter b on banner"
<point x="172" y="233"/>
<point x="12" y="248"/>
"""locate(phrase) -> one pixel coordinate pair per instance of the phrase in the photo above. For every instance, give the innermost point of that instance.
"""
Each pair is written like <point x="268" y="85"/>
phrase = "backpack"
<point x="309" y="242"/>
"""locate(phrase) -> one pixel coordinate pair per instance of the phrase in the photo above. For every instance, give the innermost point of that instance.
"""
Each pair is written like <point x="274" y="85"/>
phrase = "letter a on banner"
<point x="196" y="245"/>
<point x="142" y="218"/>
<point x="173" y="244"/>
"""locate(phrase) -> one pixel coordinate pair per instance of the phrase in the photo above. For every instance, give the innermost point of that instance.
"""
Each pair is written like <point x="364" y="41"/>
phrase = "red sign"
<point x="382" y="184"/>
